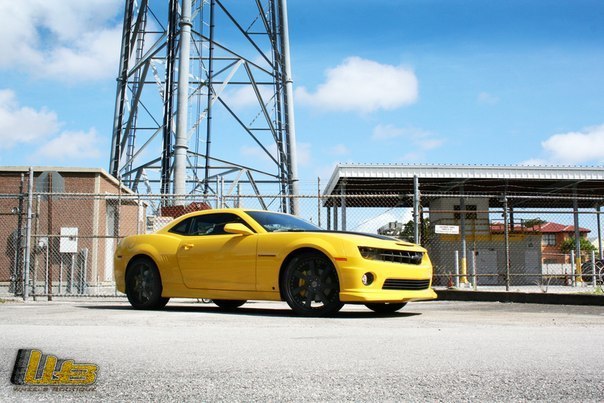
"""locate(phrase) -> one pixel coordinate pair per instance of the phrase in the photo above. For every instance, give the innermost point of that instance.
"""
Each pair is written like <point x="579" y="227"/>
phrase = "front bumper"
<point x="412" y="282"/>
<point x="387" y="296"/>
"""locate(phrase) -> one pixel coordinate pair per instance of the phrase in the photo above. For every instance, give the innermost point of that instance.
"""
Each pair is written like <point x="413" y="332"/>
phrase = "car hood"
<point x="371" y="240"/>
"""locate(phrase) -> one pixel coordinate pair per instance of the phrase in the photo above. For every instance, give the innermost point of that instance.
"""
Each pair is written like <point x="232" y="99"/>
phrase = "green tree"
<point x="569" y="244"/>
<point x="407" y="233"/>
<point x="533" y="222"/>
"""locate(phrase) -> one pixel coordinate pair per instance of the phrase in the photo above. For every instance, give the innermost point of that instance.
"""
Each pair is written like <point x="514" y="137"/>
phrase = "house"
<point x="553" y="236"/>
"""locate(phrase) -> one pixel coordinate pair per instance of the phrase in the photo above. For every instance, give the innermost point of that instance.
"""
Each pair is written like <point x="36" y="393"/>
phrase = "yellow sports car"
<point x="233" y="255"/>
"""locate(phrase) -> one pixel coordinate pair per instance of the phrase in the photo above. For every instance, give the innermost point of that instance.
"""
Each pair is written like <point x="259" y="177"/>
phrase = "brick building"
<point x="87" y="206"/>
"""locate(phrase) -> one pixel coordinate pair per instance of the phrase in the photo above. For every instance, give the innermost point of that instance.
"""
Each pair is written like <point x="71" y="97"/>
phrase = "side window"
<point x="208" y="224"/>
<point x="182" y="228"/>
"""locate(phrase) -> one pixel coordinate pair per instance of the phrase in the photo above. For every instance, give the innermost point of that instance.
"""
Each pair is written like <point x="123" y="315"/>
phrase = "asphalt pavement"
<point x="190" y="351"/>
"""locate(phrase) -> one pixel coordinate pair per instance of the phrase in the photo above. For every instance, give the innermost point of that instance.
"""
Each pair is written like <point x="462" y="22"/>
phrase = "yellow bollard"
<point x="464" y="271"/>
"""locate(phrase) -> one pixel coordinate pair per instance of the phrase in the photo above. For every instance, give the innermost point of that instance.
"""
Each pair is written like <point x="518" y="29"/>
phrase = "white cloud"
<point x="93" y="58"/>
<point x="64" y="39"/>
<point x="245" y="97"/>
<point x="585" y="146"/>
<point x="419" y="138"/>
<point x="22" y="125"/>
<point x="361" y="85"/>
<point x="69" y="146"/>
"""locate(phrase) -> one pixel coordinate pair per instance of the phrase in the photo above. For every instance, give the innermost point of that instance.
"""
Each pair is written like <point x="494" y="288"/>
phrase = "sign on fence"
<point x="447" y="229"/>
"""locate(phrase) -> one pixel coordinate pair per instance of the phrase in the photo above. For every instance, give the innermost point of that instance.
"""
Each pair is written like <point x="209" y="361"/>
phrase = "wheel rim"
<point x="142" y="284"/>
<point x="313" y="284"/>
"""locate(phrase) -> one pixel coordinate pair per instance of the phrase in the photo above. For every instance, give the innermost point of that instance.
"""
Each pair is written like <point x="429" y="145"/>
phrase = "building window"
<point x="470" y="210"/>
<point x="548" y="239"/>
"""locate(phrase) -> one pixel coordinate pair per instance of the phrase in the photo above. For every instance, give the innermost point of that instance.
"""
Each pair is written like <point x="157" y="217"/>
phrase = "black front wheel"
<point x="143" y="285"/>
<point x="386" y="307"/>
<point x="228" y="304"/>
<point x="310" y="285"/>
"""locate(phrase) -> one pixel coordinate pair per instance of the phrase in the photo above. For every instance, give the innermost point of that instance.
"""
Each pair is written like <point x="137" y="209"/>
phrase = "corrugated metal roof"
<point x="574" y="173"/>
<point x="477" y="179"/>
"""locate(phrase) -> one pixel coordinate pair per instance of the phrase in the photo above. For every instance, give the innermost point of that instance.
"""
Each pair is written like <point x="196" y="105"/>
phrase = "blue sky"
<point x="381" y="81"/>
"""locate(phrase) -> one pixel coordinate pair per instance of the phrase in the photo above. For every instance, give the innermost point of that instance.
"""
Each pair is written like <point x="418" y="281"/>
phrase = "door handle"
<point x="187" y="246"/>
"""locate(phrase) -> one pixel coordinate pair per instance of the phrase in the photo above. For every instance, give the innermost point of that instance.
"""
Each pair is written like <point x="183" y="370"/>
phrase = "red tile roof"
<point x="546" y="228"/>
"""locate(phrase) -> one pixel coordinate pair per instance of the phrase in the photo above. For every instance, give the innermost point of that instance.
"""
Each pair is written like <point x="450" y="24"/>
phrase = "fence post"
<point x="593" y="267"/>
<point x="474" y="274"/>
<point x="578" y="279"/>
<point x="30" y="195"/>
<point x="18" y="273"/>
<point x="343" y="204"/>
<point x="572" y="268"/>
<point x="456" y="269"/>
<point x="599" y="232"/>
<point x="506" y="234"/>
<point x="36" y="246"/>
<point x="319" y="201"/>
<point x="335" y="217"/>
<point x="416" y="197"/>
<point x="464" y="257"/>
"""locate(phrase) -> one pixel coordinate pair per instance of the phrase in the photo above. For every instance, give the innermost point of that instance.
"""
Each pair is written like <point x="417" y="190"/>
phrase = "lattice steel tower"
<point x="204" y="101"/>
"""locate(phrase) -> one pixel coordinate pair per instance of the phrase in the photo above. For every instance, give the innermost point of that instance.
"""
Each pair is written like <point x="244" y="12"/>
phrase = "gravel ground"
<point x="438" y="351"/>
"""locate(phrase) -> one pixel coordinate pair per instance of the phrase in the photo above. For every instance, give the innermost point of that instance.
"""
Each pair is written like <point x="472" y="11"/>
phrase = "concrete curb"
<point x="521" y="297"/>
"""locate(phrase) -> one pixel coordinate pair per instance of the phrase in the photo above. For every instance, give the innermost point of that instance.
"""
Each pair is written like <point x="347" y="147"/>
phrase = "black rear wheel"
<point x="228" y="304"/>
<point x="143" y="285"/>
<point x="310" y="285"/>
<point x="386" y="307"/>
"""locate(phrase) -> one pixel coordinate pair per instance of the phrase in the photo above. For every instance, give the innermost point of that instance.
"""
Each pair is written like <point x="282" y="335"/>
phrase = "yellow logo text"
<point x="36" y="369"/>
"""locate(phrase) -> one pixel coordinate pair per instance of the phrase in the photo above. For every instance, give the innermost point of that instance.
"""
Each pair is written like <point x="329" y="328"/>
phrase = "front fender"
<point x="160" y="248"/>
<point x="274" y="250"/>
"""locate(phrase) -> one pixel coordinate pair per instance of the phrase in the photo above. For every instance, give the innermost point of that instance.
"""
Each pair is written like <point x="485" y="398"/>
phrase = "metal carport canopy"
<point x="525" y="186"/>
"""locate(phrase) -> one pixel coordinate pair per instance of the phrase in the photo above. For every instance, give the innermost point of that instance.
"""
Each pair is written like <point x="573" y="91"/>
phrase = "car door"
<point x="210" y="258"/>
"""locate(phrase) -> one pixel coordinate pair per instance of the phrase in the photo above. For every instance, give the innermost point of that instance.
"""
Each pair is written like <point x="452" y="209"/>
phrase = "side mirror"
<point x="237" y="228"/>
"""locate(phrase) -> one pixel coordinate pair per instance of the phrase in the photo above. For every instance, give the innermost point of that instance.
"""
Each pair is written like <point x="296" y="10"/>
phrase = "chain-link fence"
<point x="62" y="244"/>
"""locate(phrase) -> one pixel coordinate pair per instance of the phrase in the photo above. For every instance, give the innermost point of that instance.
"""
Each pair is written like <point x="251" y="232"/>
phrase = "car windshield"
<point x="274" y="222"/>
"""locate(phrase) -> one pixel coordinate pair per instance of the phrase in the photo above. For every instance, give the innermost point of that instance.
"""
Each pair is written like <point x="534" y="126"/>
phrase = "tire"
<point x="228" y="304"/>
<point x="386" y="307"/>
<point x="310" y="285"/>
<point x="143" y="285"/>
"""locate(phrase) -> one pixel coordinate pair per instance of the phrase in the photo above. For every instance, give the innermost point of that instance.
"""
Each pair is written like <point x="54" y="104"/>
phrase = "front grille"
<point x="398" y="256"/>
<point x="399" y="284"/>
<point x="392" y="255"/>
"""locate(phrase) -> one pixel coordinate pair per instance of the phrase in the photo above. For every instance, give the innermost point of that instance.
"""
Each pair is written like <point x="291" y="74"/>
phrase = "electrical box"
<point x="69" y="240"/>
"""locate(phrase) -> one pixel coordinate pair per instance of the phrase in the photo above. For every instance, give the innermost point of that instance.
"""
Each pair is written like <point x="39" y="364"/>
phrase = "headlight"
<point x="369" y="253"/>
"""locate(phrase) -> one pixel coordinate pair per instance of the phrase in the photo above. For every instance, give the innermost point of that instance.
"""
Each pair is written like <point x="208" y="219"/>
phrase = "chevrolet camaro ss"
<point x="234" y="255"/>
